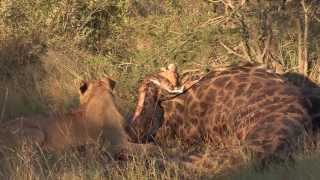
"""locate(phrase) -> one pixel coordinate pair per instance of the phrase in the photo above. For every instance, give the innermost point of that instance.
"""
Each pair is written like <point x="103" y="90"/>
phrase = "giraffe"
<point x="261" y="109"/>
<point x="167" y="80"/>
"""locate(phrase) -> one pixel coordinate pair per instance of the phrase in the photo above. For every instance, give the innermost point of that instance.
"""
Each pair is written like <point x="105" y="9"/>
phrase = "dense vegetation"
<point x="48" y="46"/>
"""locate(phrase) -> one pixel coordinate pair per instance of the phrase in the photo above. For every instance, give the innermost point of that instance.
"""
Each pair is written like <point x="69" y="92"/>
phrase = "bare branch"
<point x="266" y="46"/>
<point x="231" y="51"/>
<point x="228" y="3"/>
<point x="245" y="49"/>
<point x="317" y="19"/>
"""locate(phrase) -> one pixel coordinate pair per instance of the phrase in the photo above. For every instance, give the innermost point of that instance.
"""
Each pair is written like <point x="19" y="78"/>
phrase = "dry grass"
<point x="46" y="49"/>
<point x="26" y="164"/>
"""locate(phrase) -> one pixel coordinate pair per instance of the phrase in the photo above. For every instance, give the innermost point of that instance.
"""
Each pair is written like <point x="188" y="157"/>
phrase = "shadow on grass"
<point x="311" y="90"/>
<point x="306" y="168"/>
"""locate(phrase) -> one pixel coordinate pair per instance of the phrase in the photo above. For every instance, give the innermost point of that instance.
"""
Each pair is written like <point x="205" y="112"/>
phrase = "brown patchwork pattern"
<point x="264" y="112"/>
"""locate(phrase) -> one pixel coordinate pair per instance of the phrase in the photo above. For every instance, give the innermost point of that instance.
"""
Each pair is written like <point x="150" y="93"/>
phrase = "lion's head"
<point x="97" y="100"/>
<point x="89" y="89"/>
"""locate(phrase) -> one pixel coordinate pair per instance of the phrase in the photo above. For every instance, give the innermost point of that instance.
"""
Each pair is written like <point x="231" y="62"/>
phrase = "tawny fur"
<point x="97" y="117"/>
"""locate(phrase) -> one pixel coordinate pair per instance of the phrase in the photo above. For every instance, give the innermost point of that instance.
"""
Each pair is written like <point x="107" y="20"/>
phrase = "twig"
<point x="4" y="104"/>
<point x="213" y="21"/>
<point x="266" y="47"/>
<point x="126" y="64"/>
<point x="228" y="3"/>
<point x="246" y="50"/>
<point x="69" y="69"/>
<point x="231" y="51"/>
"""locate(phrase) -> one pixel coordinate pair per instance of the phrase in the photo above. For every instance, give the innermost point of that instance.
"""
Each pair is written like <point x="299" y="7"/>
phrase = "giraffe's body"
<point x="262" y="110"/>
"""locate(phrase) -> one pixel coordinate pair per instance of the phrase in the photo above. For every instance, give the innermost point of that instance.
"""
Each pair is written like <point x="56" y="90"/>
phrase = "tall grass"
<point x="26" y="164"/>
<point x="48" y="46"/>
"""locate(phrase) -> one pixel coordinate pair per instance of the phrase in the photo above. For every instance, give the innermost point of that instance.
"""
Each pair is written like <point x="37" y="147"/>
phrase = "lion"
<point x="97" y="117"/>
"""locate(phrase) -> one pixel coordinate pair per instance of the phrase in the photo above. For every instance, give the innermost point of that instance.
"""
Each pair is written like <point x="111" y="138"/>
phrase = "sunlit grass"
<point x="48" y="47"/>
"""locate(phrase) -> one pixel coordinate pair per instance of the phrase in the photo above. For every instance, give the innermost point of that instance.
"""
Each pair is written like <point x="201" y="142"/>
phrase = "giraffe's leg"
<point x="274" y="139"/>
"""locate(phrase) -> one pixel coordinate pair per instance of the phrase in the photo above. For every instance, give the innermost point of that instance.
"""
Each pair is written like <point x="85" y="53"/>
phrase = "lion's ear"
<point x="110" y="82"/>
<point x="83" y="87"/>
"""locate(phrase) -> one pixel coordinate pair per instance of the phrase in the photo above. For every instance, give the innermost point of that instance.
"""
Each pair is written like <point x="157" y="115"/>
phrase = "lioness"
<point x="96" y="115"/>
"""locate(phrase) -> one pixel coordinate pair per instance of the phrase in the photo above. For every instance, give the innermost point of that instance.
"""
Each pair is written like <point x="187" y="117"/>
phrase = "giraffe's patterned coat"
<point x="267" y="114"/>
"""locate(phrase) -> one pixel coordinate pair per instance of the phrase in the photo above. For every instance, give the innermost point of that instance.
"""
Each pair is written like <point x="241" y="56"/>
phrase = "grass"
<point x="48" y="47"/>
<point x="72" y="165"/>
<point x="305" y="168"/>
